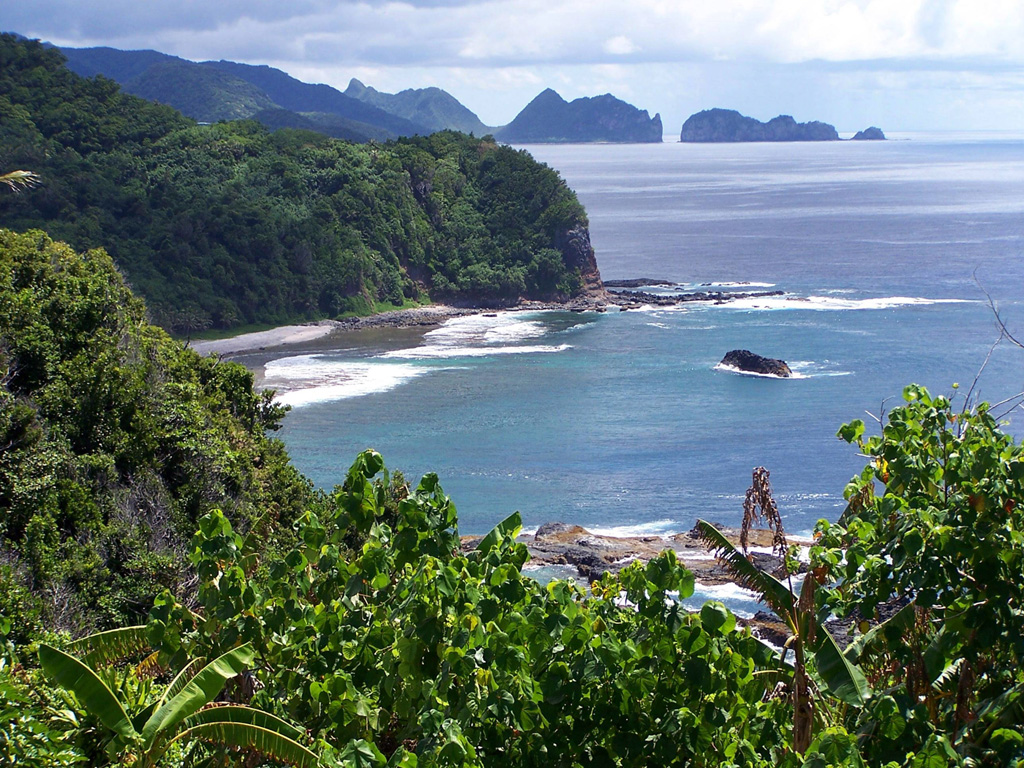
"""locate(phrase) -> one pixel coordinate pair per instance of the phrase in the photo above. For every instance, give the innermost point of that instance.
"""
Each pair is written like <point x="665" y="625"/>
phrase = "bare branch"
<point x="1003" y="330"/>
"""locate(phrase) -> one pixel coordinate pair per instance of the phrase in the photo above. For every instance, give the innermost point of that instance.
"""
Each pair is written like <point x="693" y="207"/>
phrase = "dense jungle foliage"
<point x="353" y="629"/>
<point x="114" y="441"/>
<point x="229" y="224"/>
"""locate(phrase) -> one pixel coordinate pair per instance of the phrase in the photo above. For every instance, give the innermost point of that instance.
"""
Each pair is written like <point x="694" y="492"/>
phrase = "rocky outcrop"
<point x="637" y="282"/>
<point x="728" y="125"/>
<point x="551" y="119"/>
<point x="869" y="134"/>
<point x="578" y="253"/>
<point x="746" y="361"/>
<point x="627" y="299"/>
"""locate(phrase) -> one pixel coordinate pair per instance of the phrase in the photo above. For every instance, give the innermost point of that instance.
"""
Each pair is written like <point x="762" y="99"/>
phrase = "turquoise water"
<point x="619" y="421"/>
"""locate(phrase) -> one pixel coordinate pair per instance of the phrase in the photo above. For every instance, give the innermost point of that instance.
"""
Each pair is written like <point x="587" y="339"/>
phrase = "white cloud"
<point x="497" y="54"/>
<point x="620" y="45"/>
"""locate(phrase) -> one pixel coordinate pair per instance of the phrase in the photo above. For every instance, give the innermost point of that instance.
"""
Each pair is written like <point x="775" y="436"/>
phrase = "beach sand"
<point x="285" y="335"/>
<point x="275" y="337"/>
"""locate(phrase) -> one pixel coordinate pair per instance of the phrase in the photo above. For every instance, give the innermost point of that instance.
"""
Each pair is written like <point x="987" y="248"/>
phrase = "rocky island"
<point x="728" y="125"/>
<point x="869" y="134"/>
<point x="550" y="119"/>
<point x="745" y="361"/>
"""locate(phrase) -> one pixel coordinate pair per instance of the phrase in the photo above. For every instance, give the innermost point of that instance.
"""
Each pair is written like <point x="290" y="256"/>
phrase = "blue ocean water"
<point x="620" y="421"/>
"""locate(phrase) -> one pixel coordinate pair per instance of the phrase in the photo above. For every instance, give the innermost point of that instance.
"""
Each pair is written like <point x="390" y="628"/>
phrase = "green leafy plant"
<point x="186" y="712"/>
<point x="931" y="546"/>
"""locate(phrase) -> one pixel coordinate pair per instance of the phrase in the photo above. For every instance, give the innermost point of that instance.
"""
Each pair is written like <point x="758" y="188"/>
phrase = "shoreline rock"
<point x="592" y="555"/>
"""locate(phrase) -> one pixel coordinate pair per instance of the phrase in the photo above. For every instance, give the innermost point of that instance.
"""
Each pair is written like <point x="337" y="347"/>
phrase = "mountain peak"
<point x="550" y="118"/>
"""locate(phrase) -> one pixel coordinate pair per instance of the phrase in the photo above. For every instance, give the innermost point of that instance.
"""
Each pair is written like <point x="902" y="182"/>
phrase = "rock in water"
<point x="745" y="360"/>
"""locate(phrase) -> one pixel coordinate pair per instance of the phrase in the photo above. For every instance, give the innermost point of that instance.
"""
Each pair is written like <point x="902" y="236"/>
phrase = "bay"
<point x="620" y="422"/>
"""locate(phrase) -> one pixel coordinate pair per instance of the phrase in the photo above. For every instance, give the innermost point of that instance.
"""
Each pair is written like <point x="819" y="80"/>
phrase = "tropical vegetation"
<point x="228" y="224"/>
<point x="174" y="593"/>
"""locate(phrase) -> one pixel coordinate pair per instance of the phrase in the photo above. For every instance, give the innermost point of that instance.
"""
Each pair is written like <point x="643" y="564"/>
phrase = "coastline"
<point x="431" y="315"/>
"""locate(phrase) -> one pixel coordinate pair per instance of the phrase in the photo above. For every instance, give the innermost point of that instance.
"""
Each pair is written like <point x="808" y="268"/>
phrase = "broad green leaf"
<point x="360" y="753"/>
<point x="200" y="690"/>
<point x="851" y="432"/>
<point x="237" y="713"/>
<point x="180" y="681"/>
<point x="841" y="678"/>
<point x="768" y="588"/>
<point x="92" y="693"/>
<point x="714" y="616"/>
<point x="105" y="648"/>
<point x="510" y="526"/>
<point x="263" y="741"/>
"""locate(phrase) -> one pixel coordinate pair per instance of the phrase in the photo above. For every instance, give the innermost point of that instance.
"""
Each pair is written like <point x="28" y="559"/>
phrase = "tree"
<point x="809" y="641"/>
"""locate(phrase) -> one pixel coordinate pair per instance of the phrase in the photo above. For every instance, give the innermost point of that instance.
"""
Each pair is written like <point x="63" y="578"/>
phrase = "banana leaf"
<point x="198" y="692"/>
<point x="92" y="693"/>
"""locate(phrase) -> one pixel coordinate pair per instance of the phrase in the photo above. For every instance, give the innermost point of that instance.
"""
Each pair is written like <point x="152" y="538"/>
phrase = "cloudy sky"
<point x="900" y="64"/>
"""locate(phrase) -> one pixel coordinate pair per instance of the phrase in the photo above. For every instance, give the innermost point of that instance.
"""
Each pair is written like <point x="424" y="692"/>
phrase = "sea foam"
<point x="480" y="336"/>
<point x="831" y="303"/>
<point x="308" y="379"/>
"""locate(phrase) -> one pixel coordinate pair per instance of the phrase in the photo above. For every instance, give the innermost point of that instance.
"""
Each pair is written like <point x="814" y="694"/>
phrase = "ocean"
<point x="620" y="422"/>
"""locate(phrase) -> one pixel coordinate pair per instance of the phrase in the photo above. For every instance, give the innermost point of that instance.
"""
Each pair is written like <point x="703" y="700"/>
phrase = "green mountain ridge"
<point x="432" y="107"/>
<point x="224" y="90"/>
<point x="206" y="95"/>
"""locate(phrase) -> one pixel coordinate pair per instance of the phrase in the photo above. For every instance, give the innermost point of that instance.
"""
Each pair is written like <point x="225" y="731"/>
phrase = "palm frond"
<point x="17" y="181"/>
<point x="197" y="693"/>
<point x="238" y="713"/>
<point x="93" y="694"/>
<point x="747" y="575"/>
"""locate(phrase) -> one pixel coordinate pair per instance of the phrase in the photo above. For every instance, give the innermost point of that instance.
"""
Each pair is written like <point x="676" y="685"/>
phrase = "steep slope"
<point x="116" y="440"/>
<point x="120" y="66"/>
<point x="334" y="126"/>
<point x="200" y="93"/>
<point x="728" y="125"/>
<point x="549" y="119"/>
<point x="433" y="108"/>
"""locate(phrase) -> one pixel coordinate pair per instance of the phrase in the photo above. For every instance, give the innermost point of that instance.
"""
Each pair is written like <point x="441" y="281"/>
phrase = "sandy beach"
<point x="428" y="316"/>
<point x="286" y="335"/>
<point x="275" y="337"/>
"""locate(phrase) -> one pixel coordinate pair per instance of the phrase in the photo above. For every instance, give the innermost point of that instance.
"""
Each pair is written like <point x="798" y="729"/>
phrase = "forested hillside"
<point x="114" y="440"/>
<point x="230" y="224"/>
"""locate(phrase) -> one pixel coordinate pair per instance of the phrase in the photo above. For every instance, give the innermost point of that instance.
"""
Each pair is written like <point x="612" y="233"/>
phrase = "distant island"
<point x="551" y="119"/>
<point x="870" y="134"/>
<point x="728" y="125"/>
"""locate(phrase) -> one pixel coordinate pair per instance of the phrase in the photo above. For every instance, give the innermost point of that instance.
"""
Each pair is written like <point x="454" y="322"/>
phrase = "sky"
<point x="903" y="65"/>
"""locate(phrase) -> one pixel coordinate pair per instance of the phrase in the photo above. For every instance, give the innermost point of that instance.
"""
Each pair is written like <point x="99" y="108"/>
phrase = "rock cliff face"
<point x="870" y="134"/>
<point x="728" y="125"/>
<point x="578" y="253"/>
<point x="551" y="119"/>
<point x="744" y="360"/>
